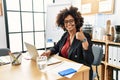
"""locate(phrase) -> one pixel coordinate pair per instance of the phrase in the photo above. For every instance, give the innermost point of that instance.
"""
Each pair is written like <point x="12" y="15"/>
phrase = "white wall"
<point x="73" y="2"/>
<point x="3" y="43"/>
<point x="116" y="16"/>
<point x="2" y="33"/>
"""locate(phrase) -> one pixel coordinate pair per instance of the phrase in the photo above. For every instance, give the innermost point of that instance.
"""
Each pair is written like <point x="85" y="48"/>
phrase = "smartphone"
<point x="67" y="72"/>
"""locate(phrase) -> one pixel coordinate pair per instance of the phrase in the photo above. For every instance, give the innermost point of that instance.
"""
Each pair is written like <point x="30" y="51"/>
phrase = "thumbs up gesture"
<point x="80" y="35"/>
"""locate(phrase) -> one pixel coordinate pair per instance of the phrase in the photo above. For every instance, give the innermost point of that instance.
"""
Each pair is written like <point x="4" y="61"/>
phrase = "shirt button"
<point x="75" y="56"/>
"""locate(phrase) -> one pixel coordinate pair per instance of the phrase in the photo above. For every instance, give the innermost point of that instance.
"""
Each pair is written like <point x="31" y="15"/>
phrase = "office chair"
<point x="98" y="55"/>
<point x="4" y="51"/>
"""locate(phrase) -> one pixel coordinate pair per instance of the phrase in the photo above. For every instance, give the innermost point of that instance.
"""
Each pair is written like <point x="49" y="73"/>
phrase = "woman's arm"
<point x="55" y="48"/>
<point x="88" y="55"/>
<point x="81" y="36"/>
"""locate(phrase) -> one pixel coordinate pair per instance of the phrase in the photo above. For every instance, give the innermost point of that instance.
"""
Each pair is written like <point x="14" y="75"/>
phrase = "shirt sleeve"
<point x="88" y="55"/>
<point x="56" y="47"/>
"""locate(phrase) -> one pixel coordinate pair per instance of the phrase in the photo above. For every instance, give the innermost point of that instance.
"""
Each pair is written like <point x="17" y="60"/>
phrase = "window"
<point x="25" y="22"/>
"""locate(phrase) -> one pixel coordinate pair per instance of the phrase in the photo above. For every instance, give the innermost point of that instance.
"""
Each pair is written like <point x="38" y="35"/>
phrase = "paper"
<point x="86" y="8"/>
<point x="64" y="65"/>
<point x="52" y="61"/>
<point x="4" y="60"/>
<point x="105" y="6"/>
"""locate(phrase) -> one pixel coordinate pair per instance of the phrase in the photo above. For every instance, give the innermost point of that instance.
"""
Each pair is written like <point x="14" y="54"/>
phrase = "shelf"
<point x="111" y="65"/>
<point x="106" y="42"/>
<point x="114" y="43"/>
<point x="99" y="41"/>
<point x="103" y="62"/>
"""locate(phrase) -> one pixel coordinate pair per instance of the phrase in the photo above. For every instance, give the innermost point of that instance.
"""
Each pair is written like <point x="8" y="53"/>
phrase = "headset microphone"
<point x="73" y="25"/>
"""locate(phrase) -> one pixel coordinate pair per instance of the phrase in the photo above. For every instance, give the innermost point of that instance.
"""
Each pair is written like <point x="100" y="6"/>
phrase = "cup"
<point x="42" y="63"/>
<point x="16" y="58"/>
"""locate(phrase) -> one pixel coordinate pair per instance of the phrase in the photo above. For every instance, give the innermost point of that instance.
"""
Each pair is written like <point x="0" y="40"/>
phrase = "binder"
<point x="118" y="56"/>
<point x="103" y="49"/>
<point x="118" y="74"/>
<point x="114" y="55"/>
<point x="114" y="74"/>
<point x="110" y="51"/>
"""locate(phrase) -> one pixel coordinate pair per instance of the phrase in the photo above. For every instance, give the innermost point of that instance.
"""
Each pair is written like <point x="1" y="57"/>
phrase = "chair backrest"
<point x="98" y="55"/>
<point x="4" y="51"/>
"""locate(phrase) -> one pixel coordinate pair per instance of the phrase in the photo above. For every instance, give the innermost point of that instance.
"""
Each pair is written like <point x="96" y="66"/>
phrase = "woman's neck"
<point x="72" y="33"/>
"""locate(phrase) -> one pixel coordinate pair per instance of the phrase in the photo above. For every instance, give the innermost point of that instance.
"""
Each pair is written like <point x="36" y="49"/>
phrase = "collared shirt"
<point x="65" y="48"/>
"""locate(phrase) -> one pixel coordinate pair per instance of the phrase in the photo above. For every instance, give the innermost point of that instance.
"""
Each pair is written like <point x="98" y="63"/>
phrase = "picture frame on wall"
<point x="0" y="7"/>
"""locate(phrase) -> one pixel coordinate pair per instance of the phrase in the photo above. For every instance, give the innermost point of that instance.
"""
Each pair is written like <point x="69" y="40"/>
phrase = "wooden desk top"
<point x="28" y="71"/>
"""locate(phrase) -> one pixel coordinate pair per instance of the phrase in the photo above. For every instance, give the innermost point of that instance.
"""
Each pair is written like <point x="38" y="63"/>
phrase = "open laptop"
<point x="32" y="50"/>
<point x="34" y="53"/>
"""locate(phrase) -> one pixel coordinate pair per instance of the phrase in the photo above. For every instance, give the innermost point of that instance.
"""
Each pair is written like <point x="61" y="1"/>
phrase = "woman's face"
<point x="69" y="23"/>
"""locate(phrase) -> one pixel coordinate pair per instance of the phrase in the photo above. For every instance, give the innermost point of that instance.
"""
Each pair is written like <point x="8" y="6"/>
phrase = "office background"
<point x="88" y="19"/>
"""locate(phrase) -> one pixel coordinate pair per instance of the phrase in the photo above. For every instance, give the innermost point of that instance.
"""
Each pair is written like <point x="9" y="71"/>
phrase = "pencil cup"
<point x="41" y="63"/>
<point x="16" y="58"/>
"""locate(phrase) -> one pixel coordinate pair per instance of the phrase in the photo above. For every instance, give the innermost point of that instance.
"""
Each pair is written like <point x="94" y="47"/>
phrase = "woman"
<point x="74" y="44"/>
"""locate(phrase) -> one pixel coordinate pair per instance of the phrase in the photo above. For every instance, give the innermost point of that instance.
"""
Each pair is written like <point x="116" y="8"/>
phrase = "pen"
<point x="6" y="63"/>
<point x="54" y="63"/>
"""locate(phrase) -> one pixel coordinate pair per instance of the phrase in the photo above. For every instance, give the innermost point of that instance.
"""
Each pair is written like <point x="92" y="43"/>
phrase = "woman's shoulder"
<point x="65" y="34"/>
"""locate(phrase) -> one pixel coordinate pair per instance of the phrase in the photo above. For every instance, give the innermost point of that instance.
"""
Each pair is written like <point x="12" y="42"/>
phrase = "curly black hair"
<point x="73" y="11"/>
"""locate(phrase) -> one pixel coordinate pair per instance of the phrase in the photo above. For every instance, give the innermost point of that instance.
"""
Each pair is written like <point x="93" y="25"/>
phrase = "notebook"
<point x="34" y="54"/>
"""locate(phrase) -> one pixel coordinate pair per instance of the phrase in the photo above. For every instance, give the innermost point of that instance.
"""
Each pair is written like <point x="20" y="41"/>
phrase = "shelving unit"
<point x="106" y="68"/>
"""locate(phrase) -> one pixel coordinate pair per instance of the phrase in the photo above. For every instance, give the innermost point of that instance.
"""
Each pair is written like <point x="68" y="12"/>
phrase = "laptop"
<point x="32" y="51"/>
<point x="34" y="54"/>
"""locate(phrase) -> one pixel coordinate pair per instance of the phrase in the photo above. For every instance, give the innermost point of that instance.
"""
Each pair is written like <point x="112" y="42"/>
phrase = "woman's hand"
<point x="80" y="35"/>
<point x="47" y="53"/>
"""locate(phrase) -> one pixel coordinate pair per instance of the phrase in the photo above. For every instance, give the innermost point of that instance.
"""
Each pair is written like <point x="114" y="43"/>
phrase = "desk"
<point x="29" y="71"/>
